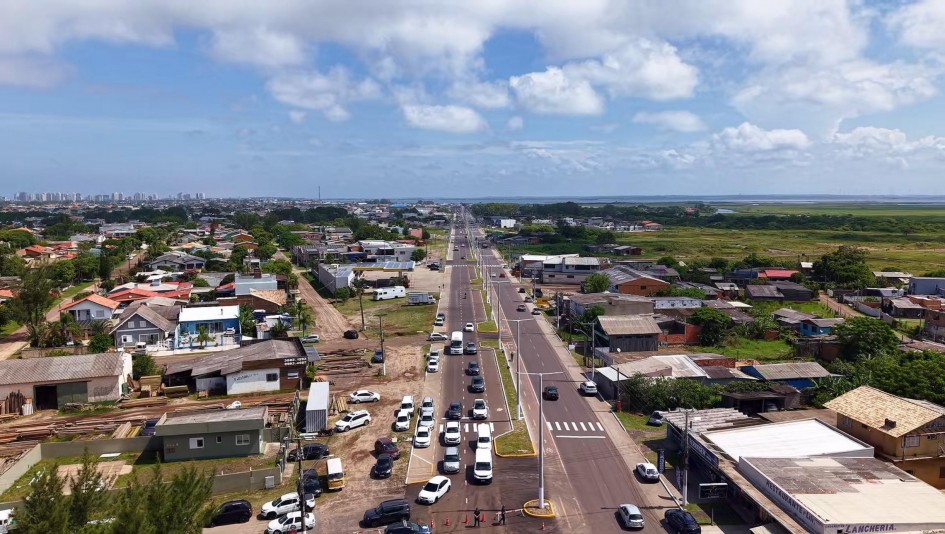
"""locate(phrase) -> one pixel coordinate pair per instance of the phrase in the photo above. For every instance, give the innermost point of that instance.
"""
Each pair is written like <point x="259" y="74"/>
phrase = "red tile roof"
<point x="778" y="273"/>
<point x="97" y="299"/>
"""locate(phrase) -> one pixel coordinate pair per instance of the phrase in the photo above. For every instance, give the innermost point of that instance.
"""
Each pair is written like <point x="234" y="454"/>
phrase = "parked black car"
<point x="387" y="512"/>
<point x="551" y="393"/>
<point x="384" y="466"/>
<point x="231" y="512"/>
<point x="455" y="411"/>
<point x="311" y="482"/>
<point x="350" y="334"/>
<point x="312" y="451"/>
<point x="681" y="522"/>
<point x="478" y="385"/>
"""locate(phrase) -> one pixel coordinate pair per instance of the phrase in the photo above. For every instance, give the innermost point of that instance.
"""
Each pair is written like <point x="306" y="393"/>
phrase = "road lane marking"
<point x="566" y="427"/>
<point x="557" y="425"/>
<point x="491" y="427"/>
<point x="549" y="425"/>
<point x="582" y="427"/>
<point x="581" y="437"/>
<point x="600" y="426"/>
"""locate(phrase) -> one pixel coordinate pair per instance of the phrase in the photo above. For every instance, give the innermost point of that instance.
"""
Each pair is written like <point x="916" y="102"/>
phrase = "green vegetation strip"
<point x="516" y="442"/>
<point x="488" y="325"/>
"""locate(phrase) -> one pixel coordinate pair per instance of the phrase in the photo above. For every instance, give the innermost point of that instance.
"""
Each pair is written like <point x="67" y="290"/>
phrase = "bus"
<point x="456" y="343"/>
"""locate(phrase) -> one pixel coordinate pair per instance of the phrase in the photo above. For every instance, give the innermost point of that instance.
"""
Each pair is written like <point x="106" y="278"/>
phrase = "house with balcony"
<point x="221" y="322"/>
<point x="907" y="432"/>
<point x="91" y="308"/>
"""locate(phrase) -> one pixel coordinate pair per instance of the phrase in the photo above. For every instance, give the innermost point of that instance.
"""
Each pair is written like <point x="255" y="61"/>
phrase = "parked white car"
<point x="421" y="439"/>
<point x="402" y="423"/>
<point x="588" y="388"/>
<point x="284" y="505"/>
<point x="290" y="523"/>
<point x="433" y="364"/>
<point x="353" y="420"/>
<point x="364" y="395"/>
<point x="312" y="338"/>
<point x="452" y="434"/>
<point x="433" y="490"/>
<point x="436" y="336"/>
<point x="480" y="410"/>
<point x="427" y="420"/>
<point x="648" y="472"/>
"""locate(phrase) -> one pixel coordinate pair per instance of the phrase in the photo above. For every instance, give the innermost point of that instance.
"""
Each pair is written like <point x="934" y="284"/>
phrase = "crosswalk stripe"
<point x="491" y="427"/>
<point x="566" y="426"/>
<point x="466" y="427"/>
<point x="549" y="425"/>
<point x="590" y="426"/>
<point x="583" y="428"/>
<point x="557" y="425"/>
<point x="600" y="426"/>
<point x="441" y="429"/>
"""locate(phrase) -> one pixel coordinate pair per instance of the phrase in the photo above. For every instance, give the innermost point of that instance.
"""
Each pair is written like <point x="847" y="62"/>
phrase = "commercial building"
<point x="216" y="434"/>
<point x="55" y="381"/>
<point x="335" y="276"/>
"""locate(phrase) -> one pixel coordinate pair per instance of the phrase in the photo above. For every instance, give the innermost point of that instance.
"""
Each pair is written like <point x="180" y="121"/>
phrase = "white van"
<point x="406" y="403"/>
<point x="482" y="470"/>
<point x="484" y="437"/>
<point x="387" y="293"/>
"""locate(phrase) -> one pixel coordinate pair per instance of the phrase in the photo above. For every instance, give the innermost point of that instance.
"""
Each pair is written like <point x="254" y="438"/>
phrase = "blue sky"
<point x="490" y="98"/>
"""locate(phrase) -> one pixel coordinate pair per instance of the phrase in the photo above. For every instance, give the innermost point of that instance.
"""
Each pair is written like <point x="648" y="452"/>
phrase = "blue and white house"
<point x="222" y="322"/>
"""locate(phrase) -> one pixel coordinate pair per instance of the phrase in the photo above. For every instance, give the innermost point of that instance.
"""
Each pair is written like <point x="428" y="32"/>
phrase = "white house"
<point x="91" y="308"/>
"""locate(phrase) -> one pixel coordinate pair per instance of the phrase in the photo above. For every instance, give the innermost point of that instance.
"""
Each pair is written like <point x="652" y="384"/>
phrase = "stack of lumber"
<point x="124" y="430"/>
<point x="143" y="403"/>
<point x="26" y="432"/>
<point x="176" y="391"/>
<point x="342" y="364"/>
<point x="152" y="383"/>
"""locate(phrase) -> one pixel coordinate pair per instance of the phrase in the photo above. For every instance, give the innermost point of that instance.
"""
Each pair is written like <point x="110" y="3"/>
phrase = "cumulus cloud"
<point x="258" y="46"/>
<point x="920" y="24"/>
<point x="490" y="95"/>
<point x="451" y="119"/>
<point x="297" y="116"/>
<point x="679" y="121"/>
<point x="750" y="138"/>
<point x="515" y="124"/>
<point x="32" y="72"/>
<point x="328" y="93"/>
<point x="553" y="92"/>
<point x="641" y="68"/>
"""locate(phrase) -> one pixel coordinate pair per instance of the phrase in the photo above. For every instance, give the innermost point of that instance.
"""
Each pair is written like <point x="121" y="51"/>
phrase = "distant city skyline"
<point x="434" y="99"/>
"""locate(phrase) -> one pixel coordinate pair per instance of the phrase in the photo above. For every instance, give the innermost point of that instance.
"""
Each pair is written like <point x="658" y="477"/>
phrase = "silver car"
<point x="451" y="460"/>
<point x="630" y="516"/>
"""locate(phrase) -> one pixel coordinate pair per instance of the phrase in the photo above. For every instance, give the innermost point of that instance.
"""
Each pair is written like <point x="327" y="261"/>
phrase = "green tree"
<point x="44" y="508"/>
<point x="418" y="254"/>
<point x="861" y="337"/>
<point x="181" y="504"/>
<point x="303" y="315"/>
<point x="86" y="265"/>
<point x="30" y="301"/>
<point x="64" y="272"/>
<point x="596" y="283"/>
<point x="201" y="282"/>
<point x="279" y="330"/>
<point x="668" y="261"/>
<point x="144" y="365"/>
<point x="88" y="495"/>
<point x="343" y="294"/>
<point x="714" y="326"/>
<point x="62" y="332"/>
<point x="203" y="335"/>
<point x="104" y="266"/>
<point x="247" y="320"/>
<point x="100" y="343"/>
<point x="425" y="234"/>
<point x="846" y="267"/>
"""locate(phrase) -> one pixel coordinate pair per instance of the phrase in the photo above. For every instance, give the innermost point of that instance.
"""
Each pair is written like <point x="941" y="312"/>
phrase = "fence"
<point x="55" y="351"/>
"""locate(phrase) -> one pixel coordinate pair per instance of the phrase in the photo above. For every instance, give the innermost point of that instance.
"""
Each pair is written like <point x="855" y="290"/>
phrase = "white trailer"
<point x="420" y="298"/>
<point x="387" y="293"/>
<point x="316" y="408"/>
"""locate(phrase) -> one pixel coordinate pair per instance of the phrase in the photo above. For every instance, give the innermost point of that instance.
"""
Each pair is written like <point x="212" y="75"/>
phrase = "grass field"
<point x="518" y="440"/>
<point x="860" y="210"/>
<point x="399" y="318"/>
<point x="754" y="349"/>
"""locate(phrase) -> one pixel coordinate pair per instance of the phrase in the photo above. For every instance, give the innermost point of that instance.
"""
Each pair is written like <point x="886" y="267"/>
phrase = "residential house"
<point x="926" y="285"/>
<point x="792" y="291"/>
<point x="908" y="433"/>
<point x="766" y="292"/>
<point x="91" y="308"/>
<point x="934" y="327"/>
<point x="672" y="303"/>
<point x="334" y="276"/>
<point x="776" y="398"/>
<point x="613" y="304"/>
<point x="818" y="327"/>
<point x="212" y="434"/>
<point x="269" y="300"/>
<point x="221" y="322"/>
<point x="664" y="273"/>
<point x="628" y="333"/>
<point x="629" y="281"/>
<point x="903" y="308"/>
<point x="151" y="321"/>
<point x="892" y="277"/>
<point x="177" y="261"/>
<point x="244" y="283"/>
<point x="54" y="382"/>
<point x="728" y="289"/>
<point x="777" y="274"/>
<point x="117" y="230"/>
<point x="626" y="250"/>
<point x="800" y="375"/>
<point x="568" y="269"/>
<point x="788" y="318"/>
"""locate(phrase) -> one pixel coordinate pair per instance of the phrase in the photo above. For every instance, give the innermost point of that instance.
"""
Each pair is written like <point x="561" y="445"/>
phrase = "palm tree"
<point x="278" y="330"/>
<point x="65" y="330"/>
<point x="247" y="320"/>
<point x="303" y="315"/>
<point x="203" y="335"/>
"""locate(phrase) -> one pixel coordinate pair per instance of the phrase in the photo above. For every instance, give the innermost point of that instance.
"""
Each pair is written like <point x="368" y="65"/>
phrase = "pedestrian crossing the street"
<point x="574" y="426"/>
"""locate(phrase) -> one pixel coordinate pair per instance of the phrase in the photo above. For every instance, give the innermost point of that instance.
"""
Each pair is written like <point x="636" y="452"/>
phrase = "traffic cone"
<point x="466" y="521"/>
<point x="482" y="518"/>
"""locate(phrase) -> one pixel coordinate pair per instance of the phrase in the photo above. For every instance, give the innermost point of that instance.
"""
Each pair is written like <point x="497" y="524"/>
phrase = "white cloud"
<point x="920" y="23"/>
<point x="37" y="73"/>
<point x="481" y="94"/>
<point x="870" y="140"/>
<point x="679" y="121"/>
<point x="327" y="93"/>
<point x="641" y="68"/>
<point x="515" y="124"/>
<point x="297" y="116"/>
<point x="750" y="138"/>
<point x="258" y="46"/>
<point x="452" y="119"/>
<point x="553" y="92"/>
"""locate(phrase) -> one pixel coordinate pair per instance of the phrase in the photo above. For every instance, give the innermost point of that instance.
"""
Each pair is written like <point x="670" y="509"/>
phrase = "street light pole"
<point x="541" y="435"/>
<point x="380" y="318"/>
<point x="518" y="367"/>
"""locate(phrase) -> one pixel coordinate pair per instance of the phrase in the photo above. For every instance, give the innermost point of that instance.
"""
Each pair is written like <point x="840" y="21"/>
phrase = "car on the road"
<point x="472" y="368"/>
<point x="407" y="527"/>
<point x="384" y="445"/>
<point x="350" y="334"/>
<point x="436" y="336"/>
<point x="521" y="308"/>
<point x="364" y="395"/>
<point x="290" y="523"/>
<point x="386" y="513"/>
<point x="455" y="248"/>
<point x="426" y="420"/>
<point x="551" y="393"/>
<point x="402" y="422"/>
<point x="441" y="315"/>
<point x="452" y="434"/>
<point x="422" y="437"/>
<point x="656" y="419"/>
<point x="451" y="460"/>
<point x="521" y="290"/>
<point x="231" y="512"/>
<point x="469" y="327"/>
<point x="480" y="410"/>
<point x="439" y="322"/>
<point x="648" y="472"/>
<point x="681" y="522"/>
<point x="433" y="365"/>
<point x="378" y="356"/>
<point x="311" y="451"/>
<point x="284" y="505"/>
<point x="313" y="338"/>
<point x="492" y="275"/>
<point x="455" y="411"/>
<point x="353" y="420"/>
<point x="588" y="387"/>
<point x="630" y="516"/>
<point x="434" y="490"/>
<point x="528" y="299"/>
<point x="462" y="257"/>
<point x="536" y="311"/>
<point x="150" y="427"/>
<point x="383" y="467"/>
<point x="471" y="348"/>
<point x="478" y="385"/>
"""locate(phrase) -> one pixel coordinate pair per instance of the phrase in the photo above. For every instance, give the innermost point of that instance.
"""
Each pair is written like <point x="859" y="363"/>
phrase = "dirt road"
<point x="329" y="323"/>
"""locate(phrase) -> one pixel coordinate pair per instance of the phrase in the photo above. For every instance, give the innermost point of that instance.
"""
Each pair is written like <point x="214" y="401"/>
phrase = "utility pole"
<point x="518" y="368"/>
<point x="380" y="318"/>
<point x="299" y="485"/>
<point x="541" y="436"/>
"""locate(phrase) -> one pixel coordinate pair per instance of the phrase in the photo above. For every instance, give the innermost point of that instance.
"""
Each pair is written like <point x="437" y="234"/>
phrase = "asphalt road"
<point x="584" y="469"/>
